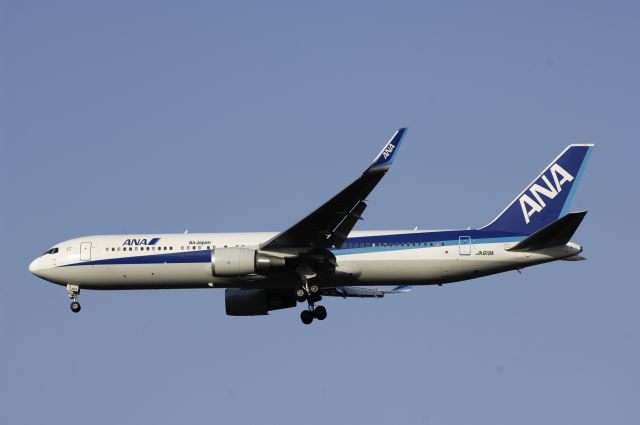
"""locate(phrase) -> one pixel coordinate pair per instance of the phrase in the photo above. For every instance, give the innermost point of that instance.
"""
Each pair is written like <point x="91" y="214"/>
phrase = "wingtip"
<point x="386" y="156"/>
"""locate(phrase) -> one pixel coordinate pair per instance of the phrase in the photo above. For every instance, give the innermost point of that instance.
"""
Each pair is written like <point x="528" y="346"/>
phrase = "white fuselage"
<point x="367" y="258"/>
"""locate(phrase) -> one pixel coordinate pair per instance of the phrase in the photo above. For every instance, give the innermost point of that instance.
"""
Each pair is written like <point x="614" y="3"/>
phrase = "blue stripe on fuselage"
<point x="200" y="256"/>
<point x="415" y="245"/>
<point x="436" y="236"/>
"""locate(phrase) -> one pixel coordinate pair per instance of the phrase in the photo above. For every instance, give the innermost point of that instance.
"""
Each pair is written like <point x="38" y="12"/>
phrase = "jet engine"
<point x="230" y="262"/>
<point x="255" y="302"/>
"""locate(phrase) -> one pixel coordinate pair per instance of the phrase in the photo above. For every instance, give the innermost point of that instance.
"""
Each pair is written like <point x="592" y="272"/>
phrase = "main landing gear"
<point x="73" y="291"/>
<point x="311" y="294"/>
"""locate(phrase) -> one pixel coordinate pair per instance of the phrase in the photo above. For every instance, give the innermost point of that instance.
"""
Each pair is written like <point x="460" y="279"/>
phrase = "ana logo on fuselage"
<point x="534" y="203"/>
<point x="143" y="241"/>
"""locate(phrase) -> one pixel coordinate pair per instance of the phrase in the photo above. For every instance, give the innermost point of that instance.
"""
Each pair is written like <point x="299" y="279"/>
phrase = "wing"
<point x="330" y="224"/>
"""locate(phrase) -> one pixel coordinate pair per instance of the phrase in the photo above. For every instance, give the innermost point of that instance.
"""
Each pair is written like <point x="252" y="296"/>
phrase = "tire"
<point x="320" y="312"/>
<point x="75" y="306"/>
<point x="306" y="316"/>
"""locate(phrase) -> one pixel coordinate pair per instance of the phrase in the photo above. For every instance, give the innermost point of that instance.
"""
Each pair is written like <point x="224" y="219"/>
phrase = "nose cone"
<point x="34" y="268"/>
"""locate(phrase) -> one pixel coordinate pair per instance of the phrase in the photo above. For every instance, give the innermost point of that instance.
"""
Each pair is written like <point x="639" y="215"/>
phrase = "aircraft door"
<point x="465" y="245"/>
<point x="85" y="251"/>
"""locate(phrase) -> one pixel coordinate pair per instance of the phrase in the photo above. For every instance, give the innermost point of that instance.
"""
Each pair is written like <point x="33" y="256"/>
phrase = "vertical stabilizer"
<point x="548" y="197"/>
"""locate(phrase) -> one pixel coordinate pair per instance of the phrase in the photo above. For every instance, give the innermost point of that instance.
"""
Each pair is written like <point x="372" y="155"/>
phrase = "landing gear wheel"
<point x="314" y="289"/>
<point x="320" y="312"/>
<point x="75" y="306"/>
<point x="301" y="295"/>
<point x="306" y="316"/>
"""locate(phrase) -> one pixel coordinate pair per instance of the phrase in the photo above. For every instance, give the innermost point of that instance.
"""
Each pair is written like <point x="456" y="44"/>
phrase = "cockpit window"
<point x="51" y="251"/>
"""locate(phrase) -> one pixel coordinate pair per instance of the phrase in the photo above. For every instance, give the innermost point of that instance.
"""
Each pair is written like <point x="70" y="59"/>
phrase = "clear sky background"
<point x="133" y="116"/>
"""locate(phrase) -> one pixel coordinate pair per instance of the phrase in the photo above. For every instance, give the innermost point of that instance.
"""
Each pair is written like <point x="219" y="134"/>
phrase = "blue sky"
<point x="132" y="116"/>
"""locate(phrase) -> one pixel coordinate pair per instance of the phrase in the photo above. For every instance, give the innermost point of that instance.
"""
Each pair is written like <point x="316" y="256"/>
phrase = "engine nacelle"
<point x="255" y="302"/>
<point x="230" y="262"/>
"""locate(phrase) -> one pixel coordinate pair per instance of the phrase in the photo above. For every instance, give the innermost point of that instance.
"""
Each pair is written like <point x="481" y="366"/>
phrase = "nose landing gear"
<point x="73" y="291"/>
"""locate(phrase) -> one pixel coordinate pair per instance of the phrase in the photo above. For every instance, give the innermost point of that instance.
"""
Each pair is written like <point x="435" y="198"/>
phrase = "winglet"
<point x="388" y="153"/>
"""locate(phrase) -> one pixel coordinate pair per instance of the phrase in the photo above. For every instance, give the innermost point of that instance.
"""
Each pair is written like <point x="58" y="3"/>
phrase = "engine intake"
<point x="229" y="262"/>
<point x="255" y="302"/>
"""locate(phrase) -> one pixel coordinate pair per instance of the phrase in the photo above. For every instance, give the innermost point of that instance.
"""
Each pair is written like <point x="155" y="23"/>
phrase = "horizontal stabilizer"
<point x="360" y="292"/>
<point x="400" y="289"/>
<point x="576" y="257"/>
<point x="557" y="233"/>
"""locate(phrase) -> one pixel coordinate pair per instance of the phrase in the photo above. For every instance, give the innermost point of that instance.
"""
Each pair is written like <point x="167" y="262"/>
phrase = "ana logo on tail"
<point x="529" y="205"/>
<point x="387" y="151"/>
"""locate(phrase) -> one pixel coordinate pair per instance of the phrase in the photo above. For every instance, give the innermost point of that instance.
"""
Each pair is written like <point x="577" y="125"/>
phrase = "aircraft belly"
<point x="393" y="267"/>
<point x="434" y="265"/>
<point x="126" y="276"/>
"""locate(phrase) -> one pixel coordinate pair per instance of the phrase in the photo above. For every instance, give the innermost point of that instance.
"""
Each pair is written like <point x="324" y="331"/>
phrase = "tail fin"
<point x="548" y="197"/>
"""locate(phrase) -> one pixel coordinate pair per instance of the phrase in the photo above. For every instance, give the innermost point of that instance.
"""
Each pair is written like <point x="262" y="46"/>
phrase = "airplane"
<point x="322" y="256"/>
